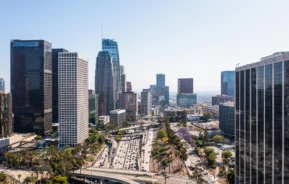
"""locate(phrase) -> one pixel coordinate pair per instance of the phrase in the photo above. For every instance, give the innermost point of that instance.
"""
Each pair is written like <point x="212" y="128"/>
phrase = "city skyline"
<point x="235" y="38"/>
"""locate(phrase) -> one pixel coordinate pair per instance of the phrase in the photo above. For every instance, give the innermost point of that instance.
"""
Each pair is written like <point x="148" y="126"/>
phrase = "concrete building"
<point x="186" y="85"/>
<point x="103" y="120"/>
<point x="262" y="120"/>
<point x="93" y="107"/>
<point x="186" y="99"/>
<point x="55" y="83"/>
<point x="73" y="99"/>
<point x="6" y="115"/>
<point x="122" y="70"/>
<point x="161" y="80"/>
<point x="217" y="100"/>
<point x="227" y="119"/>
<point x="90" y="91"/>
<point x="128" y="101"/>
<point x="227" y="83"/>
<point x="2" y="86"/>
<point x="105" y="83"/>
<point x="31" y="85"/>
<point x="118" y="116"/>
<point x="123" y="83"/>
<point x="128" y="87"/>
<point x="146" y="102"/>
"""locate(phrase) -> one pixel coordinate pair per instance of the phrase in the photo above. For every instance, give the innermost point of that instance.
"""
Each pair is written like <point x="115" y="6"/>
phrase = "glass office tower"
<point x="227" y="83"/>
<point x="31" y="85"/>
<point x="112" y="47"/>
<point x="262" y="120"/>
<point x="161" y="80"/>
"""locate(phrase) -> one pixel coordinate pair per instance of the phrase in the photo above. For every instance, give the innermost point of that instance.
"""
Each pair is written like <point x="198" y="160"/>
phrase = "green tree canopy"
<point x="161" y="134"/>
<point x="231" y="176"/>
<point x="208" y="151"/>
<point x="227" y="154"/>
<point x="212" y="159"/>
<point x="218" y="138"/>
<point x="60" y="180"/>
<point x="2" y="176"/>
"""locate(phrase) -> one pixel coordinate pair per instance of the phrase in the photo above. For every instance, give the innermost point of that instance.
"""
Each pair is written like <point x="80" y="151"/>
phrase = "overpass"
<point x="115" y="175"/>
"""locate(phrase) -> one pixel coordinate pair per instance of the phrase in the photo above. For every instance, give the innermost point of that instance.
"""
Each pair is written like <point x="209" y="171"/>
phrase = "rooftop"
<point x="117" y="111"/>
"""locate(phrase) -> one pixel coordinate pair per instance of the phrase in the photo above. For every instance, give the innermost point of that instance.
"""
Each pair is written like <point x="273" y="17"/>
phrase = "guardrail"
<point x="121" y="171"/>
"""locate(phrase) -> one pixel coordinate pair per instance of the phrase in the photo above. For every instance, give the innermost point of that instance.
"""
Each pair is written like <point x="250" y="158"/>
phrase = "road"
<point x="146" y="150"/>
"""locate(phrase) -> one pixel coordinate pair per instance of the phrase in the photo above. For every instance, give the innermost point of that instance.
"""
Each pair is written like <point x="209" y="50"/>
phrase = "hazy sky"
<point x="180" y="38"/>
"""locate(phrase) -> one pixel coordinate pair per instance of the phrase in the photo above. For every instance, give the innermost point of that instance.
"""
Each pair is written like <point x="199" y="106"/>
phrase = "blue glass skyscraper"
<point x="227" y="83"/>
<point x="112" y="47"/>
<point x="2" y="84"/>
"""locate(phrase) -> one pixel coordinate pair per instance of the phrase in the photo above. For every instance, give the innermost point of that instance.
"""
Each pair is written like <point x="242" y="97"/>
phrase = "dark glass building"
<point x="262" y="120"/>
<point x="227" y="83"/>
<point x="105" y="83"/>
<point x="227" y="119"/>
<point x="186" y="85"/>
<point x="55" y="83"/>
<point x="161" y="80"/>
<point x="31" y="85"/>
<point x="6" y="116"/>
<point x="186" y="99"/>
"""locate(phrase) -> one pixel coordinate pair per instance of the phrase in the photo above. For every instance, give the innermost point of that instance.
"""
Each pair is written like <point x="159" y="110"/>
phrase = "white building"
<point x="73" y="103"/>
<point x="118" y="116"/>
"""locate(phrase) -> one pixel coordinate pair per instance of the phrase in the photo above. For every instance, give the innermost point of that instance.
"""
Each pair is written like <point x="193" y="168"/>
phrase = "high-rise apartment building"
<point x="186" y="85"/>
<point x="105" y="83"/>
<point x="73" y="98"/>
<point x="227" y="119"/>
<point x="55" y="83"/>
<point x="128" y="87"/>
<point x="6" y="116"/>
<point x="31" y="85"/>
<point x="128" y="101"/>
<point x="112" y="47"/>
<point x="146" y="102"/>
<point x="262" y="120"/>
<point x="161" y="80"/>
<point x="227" y="83"/>
<point x="2" y="85"/>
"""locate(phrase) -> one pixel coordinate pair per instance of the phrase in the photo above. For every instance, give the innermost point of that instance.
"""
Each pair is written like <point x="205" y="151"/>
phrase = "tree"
<point x="197" y="176"/>
<point x="30" y="179"/>
<point x="19" y="177"/>
<point x="206" y="117"/>
<point x="60" y="180"/>
<point x="117" y="138"/>
<point x="2" y="177"/>
<point x="218" y="138"/>
<point x="212" y="159"/>
<point x="161" y="134"/>
<point x="227" y="154"/>
<point x="231" y="176"/>
<point x="198" y="150"/>
<point x="222" y="171"/>
<point x="38" y="137"/>
<point x="208" y="151"/>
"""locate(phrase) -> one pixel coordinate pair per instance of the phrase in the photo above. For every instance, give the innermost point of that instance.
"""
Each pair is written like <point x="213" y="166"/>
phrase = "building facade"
<point x="186" y="85"/>
<point x="31" y="85"/>
<point x="217" y="100"/>
<point x="55" y="83"/>
<point x="227" y="83"/>
<point x="105" y="83"/>
<point x="227" y="119"/>
<point x="73" y="95"/>
<point x="161" y="80"/>
<point x="186" y="99"/>
<point x="6" y="115"/>
<point x="118" y="116"/>
<point x="111" y="46"/>
<point x="93" y="108"/>
<point x="128" y="87"/>
<point x="123" y="83"/>
<point x="2" y="85"/>
<point x="128" y="101"/>
<point x="146" y="102"/>
<point x="160" y="92"/>
<point x="262" y="120"/>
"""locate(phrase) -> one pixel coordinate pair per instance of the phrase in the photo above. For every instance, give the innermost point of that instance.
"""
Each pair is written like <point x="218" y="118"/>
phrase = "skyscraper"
<point x="112" y="47"/>
<point x="6" y="116"/>
<point x="31" y="85"/>
<point x="55" y="83"/>
<point x="128" y="87"/>
<point x="186" y="85"/>
<point x="2" y="85"/>
<point x="227" y="83"/>
<point x="105" y="83"/>
<point x="227" y="119"/>
<point x="128" y="101"/>
<point x="186" y="99"/>
<point x="262" y="120"/>
<point x="146" y="102"/>
<point x="73" y="98"/>
<point x="123" y="83"/>
<point x="161" y="80"/>
<point x="122" y="70"/>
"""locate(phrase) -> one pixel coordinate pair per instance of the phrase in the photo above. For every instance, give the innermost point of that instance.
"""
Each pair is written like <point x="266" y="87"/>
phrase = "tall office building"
<point x="118" y="116"/>
<point x="105" y="83"/>
<point x="112" y="47"/>
<point x="128" y="87"/>
<point x="123" y="83"/>
<point x="146" y="102"/>
<point x="262" y="120"/>
<point x="161" y="80"/>
<point x="227" y="119"/>
<point x="31" y="85"/>
<point x="186" y="99"/>
<point x="6" y="115"/>
<point x="186" y="85"/>
<point x="227" y="83"/>
<point x="2" y="85"/>
<point x="73" y="98"/>
<point x="55" y="83"/>
<point x="128" y="101"/>
<point x="122" y="70"/>
<point x="93" y="107"/>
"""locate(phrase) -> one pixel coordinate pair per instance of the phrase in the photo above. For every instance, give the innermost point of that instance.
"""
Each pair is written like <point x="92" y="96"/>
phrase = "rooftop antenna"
<point x="238" y="64"/>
